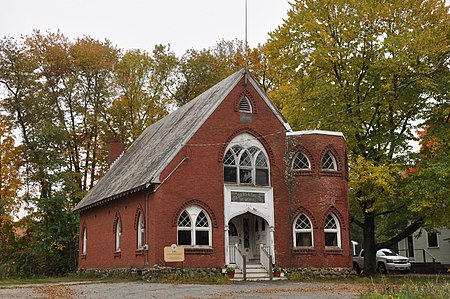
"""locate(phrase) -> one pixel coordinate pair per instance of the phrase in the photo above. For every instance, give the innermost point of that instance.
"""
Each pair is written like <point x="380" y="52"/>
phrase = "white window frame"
<point x="333" y="158"/>
<point x="246" y="141"/>
<point x="140" y="231"/>
<point x="302" y="230"/>
<point x="194" y="212"/>
<point x="118" y="235"/>
<point x="336" y="230"/>
<point x="295" y="157"/>
<point x="84" y="245"/>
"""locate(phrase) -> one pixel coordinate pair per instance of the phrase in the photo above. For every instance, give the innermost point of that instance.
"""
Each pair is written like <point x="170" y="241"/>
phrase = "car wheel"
<point x="357" y="268"/>
<point x="381" y="268"/>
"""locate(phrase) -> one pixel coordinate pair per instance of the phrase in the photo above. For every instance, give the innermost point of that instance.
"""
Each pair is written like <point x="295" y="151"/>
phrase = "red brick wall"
<point x="317" y="193"/>
<point x="99" y="221"/>
<point x="199" y="180"/>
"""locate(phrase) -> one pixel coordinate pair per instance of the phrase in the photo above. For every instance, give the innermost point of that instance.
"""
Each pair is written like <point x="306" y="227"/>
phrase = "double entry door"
<point x="249" y="232"/>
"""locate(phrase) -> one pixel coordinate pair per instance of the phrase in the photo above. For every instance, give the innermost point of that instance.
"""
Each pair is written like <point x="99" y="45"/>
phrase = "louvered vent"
<point x="244" y="105"/>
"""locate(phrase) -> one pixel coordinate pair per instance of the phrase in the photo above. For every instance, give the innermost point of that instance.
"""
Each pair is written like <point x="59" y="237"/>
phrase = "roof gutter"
<point x="136" y="189"/>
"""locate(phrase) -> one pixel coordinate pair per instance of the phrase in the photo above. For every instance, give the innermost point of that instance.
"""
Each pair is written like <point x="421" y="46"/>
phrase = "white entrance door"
<point x="249" y="232"/>
<point x="253" y="235"/>
<point x="261" y="233"/>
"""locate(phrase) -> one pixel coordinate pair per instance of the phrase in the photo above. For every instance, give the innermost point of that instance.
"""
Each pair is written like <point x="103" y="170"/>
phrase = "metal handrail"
<point x="241" y="261"/>
<point x="424" y="253"/>
<point x="266" y="259"/>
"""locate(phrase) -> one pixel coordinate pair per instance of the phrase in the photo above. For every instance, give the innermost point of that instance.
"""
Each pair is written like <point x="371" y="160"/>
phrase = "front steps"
<point x="255" y="271"/>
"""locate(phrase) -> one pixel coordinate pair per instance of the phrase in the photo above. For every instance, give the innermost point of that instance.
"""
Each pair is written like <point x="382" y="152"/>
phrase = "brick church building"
<point x="223" y="176"/>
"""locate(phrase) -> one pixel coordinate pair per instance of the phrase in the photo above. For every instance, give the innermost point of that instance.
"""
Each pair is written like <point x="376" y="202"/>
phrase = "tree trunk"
<point x="369" y="245"/>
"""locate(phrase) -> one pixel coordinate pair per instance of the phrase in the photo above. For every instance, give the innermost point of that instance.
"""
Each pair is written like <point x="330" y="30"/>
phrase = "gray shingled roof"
<point x="142" y="164"/>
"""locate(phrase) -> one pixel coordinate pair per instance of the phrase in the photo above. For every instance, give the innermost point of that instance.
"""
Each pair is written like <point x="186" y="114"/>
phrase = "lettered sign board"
<point x="173" y="254"/>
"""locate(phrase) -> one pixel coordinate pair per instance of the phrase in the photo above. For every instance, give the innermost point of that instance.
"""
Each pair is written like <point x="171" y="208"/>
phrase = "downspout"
<point x="170" y="174"/>
<point x="147" y="210"/>
<point x="146" y="229"/>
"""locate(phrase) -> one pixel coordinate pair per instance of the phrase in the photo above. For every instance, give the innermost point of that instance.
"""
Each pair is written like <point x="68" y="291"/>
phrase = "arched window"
<point x="332" y="231"/>
<point x="329" y="161"/>
<point x="118" y="234"/>
<point x="84" y="241"/>
<point x="245" y="105"/>
<point x="245" y="162"/>
<point x="140" y="231"/>
<point x="301" y="162"/>
<point x="303" y="232"/>
<point x="194" y="227"/>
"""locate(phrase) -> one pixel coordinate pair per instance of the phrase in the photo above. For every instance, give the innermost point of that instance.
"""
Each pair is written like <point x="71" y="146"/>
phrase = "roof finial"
<point x="245" y="47"/>
<point x="246" y="42"/>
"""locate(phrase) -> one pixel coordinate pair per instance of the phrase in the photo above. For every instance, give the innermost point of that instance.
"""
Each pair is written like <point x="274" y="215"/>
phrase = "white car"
<point x="387" y="260"/>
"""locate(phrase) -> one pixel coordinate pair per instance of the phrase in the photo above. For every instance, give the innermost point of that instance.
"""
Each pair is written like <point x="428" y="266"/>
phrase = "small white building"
<point x="424" y="246"/>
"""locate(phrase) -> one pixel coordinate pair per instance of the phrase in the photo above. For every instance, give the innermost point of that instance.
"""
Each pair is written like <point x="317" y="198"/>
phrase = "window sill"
<point x="325" y="172"/>
<point x="139" y="251"/>
<point x="332" y="250"/>
<point x="198" y="250"/>
<point x="303" y="172"/>
<point x="304" y="251"/>
<point x="117" y="253"/>
<point x="83" y="256"/>
<point x="246" y="185"/>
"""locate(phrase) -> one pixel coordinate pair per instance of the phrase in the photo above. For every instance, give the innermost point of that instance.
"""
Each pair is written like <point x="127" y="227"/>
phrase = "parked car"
<point x="387" y="260"/>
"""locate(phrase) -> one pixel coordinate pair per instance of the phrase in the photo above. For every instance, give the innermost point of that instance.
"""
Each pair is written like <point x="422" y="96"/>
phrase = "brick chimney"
<point x="115" y="149"/>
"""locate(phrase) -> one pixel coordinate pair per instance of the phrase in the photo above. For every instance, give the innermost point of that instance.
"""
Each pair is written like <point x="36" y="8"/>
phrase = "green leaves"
<point x="370" y="69"/>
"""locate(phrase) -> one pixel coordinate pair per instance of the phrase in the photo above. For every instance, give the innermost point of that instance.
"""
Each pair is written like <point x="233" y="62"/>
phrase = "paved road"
<point x="140" y="289"/>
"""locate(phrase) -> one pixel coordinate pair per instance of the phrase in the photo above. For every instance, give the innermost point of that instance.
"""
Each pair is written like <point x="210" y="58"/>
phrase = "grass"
<point x="376" y="279"/>
<point x="437" y="288"/>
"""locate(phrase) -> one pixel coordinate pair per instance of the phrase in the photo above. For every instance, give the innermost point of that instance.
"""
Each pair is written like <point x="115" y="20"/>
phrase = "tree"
<point x="369" y="69"/>
<point x="429" y="177"/>
<point x="10" y="184"/>
<point x="141" y="100"/>
<point x="57" y="93"/>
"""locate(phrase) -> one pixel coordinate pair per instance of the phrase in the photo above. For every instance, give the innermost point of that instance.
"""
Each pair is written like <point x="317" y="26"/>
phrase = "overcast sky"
<point x="141" y="24"/>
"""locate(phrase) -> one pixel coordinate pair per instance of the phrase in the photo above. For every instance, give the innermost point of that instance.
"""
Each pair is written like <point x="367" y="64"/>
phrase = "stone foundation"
<point x="156" y="273"/>
<point x="321" y="272"/>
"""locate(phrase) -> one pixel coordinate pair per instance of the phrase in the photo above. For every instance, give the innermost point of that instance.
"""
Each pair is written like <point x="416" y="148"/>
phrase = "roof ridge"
<point x="158" y="144"/>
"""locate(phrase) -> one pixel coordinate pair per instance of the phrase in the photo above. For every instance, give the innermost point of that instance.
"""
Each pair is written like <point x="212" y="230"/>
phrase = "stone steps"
<point x="254" y="272"/>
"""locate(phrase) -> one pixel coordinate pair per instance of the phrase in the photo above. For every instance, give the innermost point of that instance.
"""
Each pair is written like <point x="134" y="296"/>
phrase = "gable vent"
<point x="244" y="105"/>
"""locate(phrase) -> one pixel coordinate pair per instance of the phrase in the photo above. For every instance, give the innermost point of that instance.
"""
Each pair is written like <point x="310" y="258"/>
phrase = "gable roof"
<point x="142" y="164"/>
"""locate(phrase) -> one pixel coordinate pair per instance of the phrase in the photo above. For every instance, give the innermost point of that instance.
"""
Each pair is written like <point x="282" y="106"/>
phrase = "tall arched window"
<point x="118" y="234"/>
<point x="301" y="162"/>
<point x="84" y="241"/>
<point x="329" y="161"/>
<point x="303" y="232"/>
<point x="245" y="162"/>
<point x="332" y="231"/>
<point x="194" y="227"/>
<point x="140" y="231"/>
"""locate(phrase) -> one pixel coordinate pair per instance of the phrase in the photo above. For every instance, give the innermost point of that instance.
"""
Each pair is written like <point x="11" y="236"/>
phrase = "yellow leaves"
<point x="371" y="185"/>
<point x="57" y="245"/>
<point x="10" y="162"/>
